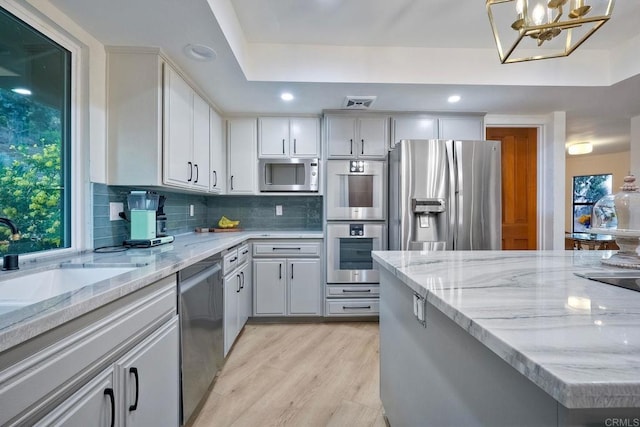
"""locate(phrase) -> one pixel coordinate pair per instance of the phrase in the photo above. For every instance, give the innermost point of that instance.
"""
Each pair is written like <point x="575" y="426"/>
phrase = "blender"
<point x="142" y="207"/>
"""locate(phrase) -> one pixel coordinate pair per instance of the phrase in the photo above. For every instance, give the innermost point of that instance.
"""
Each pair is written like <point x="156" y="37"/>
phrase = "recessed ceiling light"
<point x="21" y="91"/>
<point x="454" y="98"/>
<point x="286" y="96"/>
<point x="200" y="52"/>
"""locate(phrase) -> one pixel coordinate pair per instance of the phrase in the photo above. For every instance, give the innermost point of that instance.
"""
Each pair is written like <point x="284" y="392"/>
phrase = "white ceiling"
<point x="411" y="54"/>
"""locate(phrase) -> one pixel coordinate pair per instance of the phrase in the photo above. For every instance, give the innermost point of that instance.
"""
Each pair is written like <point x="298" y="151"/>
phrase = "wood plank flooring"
<point x="299" y="375"/>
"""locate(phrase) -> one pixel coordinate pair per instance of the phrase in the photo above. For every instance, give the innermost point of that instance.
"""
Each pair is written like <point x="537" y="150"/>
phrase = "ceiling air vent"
<point x="358" y="102"/>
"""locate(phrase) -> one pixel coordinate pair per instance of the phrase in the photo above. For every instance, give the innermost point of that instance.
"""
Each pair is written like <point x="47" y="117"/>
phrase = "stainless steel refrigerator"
<point x="445" y="195"/>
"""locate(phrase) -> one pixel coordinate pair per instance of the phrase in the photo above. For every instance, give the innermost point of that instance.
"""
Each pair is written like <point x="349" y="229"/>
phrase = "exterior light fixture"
<point x="21" y="91"/>
<point x="527" y="30"/>
<point x="580" y="148"/>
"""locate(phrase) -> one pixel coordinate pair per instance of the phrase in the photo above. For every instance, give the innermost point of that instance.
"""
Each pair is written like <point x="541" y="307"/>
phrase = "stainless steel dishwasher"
<point x="201" y="334"/>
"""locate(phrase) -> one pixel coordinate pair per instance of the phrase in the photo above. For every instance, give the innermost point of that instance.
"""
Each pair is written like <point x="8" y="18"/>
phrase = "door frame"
<point x="550" y="203"/>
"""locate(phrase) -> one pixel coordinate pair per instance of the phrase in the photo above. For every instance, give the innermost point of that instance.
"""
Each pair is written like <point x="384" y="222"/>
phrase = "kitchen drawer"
<point x="353" y="307"/>
<point x="287" y="249"/>
<point x="342" y="291"/>
<point x="230" y="261"/>
<point x="243" y="254"/>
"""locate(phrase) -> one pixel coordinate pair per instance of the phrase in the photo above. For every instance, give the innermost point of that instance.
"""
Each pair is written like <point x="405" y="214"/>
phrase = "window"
<point x="35" y="146"/>
<point x="587" y="190"/>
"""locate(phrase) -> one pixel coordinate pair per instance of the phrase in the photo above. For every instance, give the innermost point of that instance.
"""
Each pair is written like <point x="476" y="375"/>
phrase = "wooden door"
<point x="519" y="186"/>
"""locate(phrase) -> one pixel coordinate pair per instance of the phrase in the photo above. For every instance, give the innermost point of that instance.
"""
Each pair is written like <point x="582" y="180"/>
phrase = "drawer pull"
<point x="357" y="307"/>
<point x="355" y="291"/>
<point x="234" y="259"/>
<point x="246" y="251"/>
<point x="112" y="400"/>
<point x="286" y="249"/>
<point x="134" y="371"/>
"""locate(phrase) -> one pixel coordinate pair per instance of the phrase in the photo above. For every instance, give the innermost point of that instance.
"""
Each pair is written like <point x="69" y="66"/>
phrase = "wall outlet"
<point x="114" y="211"/>
<point x="192" y="210"/>
<point x="278" y="210"/>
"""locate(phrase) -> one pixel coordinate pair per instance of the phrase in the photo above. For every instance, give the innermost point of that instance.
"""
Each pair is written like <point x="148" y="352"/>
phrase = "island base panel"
<point x="441" y="376"/>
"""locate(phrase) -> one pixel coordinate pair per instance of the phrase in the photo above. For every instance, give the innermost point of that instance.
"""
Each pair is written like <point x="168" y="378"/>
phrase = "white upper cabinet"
<point x="186" y="130"/>
<point x="158" y="130"/>
<point x="218" y="162"/>
<point x="241" y="155"/>
<point x="461" y="128"/>
<point x="284" y="137"/>
<point x="364" y="137"/>
<point x="414" y="127"/>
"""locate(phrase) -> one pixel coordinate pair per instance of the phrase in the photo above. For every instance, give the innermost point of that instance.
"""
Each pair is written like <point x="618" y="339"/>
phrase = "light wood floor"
<point x="299" y="375"/>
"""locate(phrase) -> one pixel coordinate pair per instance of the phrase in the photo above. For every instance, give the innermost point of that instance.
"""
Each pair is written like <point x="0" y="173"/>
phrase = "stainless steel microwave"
<point x="288" y="175"/>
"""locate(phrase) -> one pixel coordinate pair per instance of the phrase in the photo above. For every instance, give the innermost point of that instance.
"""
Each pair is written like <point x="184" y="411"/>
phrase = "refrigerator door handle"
<point x="454" y="176"/>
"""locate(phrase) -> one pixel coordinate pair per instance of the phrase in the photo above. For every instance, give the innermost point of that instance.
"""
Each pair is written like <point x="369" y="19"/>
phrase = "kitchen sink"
<point x="28" y="289"/>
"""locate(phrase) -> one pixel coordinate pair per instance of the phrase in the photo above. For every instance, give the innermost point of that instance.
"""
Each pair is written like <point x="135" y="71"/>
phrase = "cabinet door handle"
<point x="362" y="150"/>
<point x="215" y="178"/>
<point x="351" y="149"/>
<point x="280" y="271"/>
<point x="238" y="289"/>
<point x="283" y="146"/>
<point x="112" y="401"/>
<point x="242" y="281"/>
<point x="357" y="307"/>
<point x="246" y="251"/>
<point x="355" y="291"/>
<point x="231" y="182"/>
<point x="134" y="371"/>
<point x="292" y="270"/>
<point x="197" y="172"/>
<point x="190" y="171"/>
<point x="294" y="146"/>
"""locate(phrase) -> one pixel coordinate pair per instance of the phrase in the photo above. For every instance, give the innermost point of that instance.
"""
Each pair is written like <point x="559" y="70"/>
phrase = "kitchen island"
<point x="507" y="338"/>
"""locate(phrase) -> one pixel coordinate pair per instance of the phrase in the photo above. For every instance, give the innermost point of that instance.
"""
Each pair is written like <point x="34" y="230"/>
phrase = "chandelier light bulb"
<point x="520" y="7"/>
<point x="538" y="14"/>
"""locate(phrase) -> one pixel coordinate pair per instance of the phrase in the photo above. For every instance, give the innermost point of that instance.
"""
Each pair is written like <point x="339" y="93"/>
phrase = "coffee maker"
<point x="142" y="207"/>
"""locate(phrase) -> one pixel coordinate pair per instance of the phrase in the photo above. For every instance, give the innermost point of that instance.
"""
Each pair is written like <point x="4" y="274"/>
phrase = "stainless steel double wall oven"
<point x="356" y="212"/>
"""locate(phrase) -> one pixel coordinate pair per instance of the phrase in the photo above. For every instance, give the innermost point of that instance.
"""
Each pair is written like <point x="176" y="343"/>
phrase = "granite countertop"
<point x="577" y="339"/>
<point x="21" y="324"/>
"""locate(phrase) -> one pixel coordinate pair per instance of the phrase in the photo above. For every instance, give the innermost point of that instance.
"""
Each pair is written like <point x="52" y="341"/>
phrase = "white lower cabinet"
<point x="237" y="294"/>
<point x="287" y="286"/>
<point x="92" y="405"/>
<point x="116" y="366"/>
<point x="141" y="389"/>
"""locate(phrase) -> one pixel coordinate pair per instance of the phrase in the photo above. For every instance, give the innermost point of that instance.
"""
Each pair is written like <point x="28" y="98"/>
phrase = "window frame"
<point x="80" y="204"/>
<point x="591" y="204"/>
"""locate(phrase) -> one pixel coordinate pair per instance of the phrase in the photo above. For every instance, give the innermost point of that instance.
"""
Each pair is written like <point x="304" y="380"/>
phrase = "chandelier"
<point x="526" y="30"/>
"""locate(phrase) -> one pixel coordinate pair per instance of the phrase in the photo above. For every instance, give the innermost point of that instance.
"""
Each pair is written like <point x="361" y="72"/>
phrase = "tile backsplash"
<point x="254" y="212"/>
<point x="259" y="212"/>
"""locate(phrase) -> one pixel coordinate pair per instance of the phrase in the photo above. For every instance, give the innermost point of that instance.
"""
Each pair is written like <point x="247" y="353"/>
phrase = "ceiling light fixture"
<point x="542" y="29"/>
<point x="21" y="91"/>
<point x="454" y="98"/>
<point x="286" y="96"/>
<point x="200" y="52"/>
<point x="580" y="148"/>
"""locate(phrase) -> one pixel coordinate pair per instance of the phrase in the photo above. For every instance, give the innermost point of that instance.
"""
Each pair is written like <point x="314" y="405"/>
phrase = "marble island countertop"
<point x="36" y="316"/>
<point x="577" y="339"/>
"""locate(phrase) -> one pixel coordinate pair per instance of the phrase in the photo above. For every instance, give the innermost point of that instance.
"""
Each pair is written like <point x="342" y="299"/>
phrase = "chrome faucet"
<point x="15" y="233"/>
<point x="10" y="261"/>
